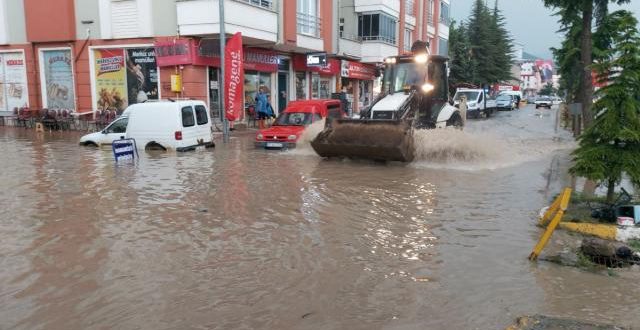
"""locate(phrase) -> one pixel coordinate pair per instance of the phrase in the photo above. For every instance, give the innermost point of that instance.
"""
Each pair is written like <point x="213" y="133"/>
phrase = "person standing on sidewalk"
<point x="261" y="106"/>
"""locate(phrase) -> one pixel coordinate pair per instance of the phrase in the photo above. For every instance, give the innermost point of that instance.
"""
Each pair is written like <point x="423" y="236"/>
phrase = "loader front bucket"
<point x="384" y="140"/>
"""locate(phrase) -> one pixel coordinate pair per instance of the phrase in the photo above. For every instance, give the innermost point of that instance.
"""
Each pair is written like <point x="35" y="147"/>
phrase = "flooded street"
<point x="239" y="238"/>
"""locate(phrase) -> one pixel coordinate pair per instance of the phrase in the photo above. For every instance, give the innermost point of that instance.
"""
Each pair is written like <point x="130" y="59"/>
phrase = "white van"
<point x="179" y="125"/>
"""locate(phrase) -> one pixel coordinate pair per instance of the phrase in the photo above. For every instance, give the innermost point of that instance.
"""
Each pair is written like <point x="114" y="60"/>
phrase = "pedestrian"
<point x="261" y="106"/>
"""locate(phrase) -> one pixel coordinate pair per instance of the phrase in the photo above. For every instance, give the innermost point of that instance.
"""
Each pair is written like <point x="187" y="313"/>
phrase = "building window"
<point x="443" y="46"/>
<point x="307" y="18"/>
<point x="377" y="27"/>
<point x="124" y="19"/>
<point x="320" y="86"/>
<point x="56" y="79"/>
<point x="260" y="3"/>
<point x="407" y="39"/>
<point x="430" y="11"/>
<point x="13" y="82"/>
<point x="444" y="13"/>
<point x="301" y="85"/>
<point x="408" y="4"/>
<point x="124" y="76"/>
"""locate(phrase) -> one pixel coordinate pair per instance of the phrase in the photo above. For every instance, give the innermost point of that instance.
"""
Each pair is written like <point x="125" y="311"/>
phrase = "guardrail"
<point x="309" y="24"/>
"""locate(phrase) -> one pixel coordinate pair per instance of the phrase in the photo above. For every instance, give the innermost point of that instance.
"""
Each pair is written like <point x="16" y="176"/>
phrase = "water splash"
<point x="303" y="146"/>
<point x="469" y="150"/>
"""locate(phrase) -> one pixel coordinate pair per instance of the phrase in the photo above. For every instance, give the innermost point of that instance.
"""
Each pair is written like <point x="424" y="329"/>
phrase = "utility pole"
<point x="225" y="122"/>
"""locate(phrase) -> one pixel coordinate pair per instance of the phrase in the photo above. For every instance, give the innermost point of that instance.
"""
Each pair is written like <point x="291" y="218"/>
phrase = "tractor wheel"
<point x="455" y="121"/>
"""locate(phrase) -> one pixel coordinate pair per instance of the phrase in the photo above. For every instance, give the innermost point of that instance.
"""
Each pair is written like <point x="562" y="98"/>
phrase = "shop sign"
<point x="187" y="52"/>
<point x="58" y="79"/>
<point x="234" y="78"/>
<point x="110" y="79"/>
<point x="317" y="59"/>
<point x="13" y="81"/>
<point x="356" y="70"/>
<point x="177" y="52"/>
<point x="330" y="69"/>
<point x="124" y="149"/>
<point x="260" y="60"/>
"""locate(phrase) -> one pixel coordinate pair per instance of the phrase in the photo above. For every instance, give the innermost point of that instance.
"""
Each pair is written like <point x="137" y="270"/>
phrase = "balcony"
<point x="391" y="7"/>
<point x="375" y="50"/>
<point x="430" y="19"/>
<point x="253" y="18"/>
<point x="309" y="32"/>
<point x="350" y="46"/>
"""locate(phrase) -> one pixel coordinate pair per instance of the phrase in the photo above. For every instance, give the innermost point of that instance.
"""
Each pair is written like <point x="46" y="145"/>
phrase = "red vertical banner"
<point x="234" y="78"/>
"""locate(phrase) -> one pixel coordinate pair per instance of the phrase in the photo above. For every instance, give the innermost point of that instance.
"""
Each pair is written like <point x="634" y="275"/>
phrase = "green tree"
<point x="586" y="10"/>
<point x="611" y="146"/>
<point x="459" y="55"/>
<point x="548" y="89"/>
<point x="502" y="46"/>
<point x="490" y="46"/>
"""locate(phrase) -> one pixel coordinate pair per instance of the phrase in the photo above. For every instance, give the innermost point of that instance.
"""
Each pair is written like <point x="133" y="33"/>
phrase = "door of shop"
<point x="283" y="91"/>
<point x="214" y="93"/>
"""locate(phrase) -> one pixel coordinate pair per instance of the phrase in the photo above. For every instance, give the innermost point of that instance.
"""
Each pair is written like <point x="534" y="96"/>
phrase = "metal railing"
<point x="408" y="4"/>
<point x="391" y="41"/>
<point x="267" y="4"/>
<point x="309" y="25"/>
<point x="430" y="19"/>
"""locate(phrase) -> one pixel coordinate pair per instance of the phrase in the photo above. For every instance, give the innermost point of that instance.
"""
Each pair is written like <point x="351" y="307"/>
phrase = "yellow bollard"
<point x="39" y="128"/>
<point x="564" y="203"/>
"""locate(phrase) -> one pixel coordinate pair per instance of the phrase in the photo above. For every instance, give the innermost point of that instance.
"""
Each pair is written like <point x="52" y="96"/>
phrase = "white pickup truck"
<point x="478" y="102"/>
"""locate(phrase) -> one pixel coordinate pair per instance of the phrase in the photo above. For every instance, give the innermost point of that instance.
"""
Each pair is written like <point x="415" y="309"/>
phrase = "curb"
<point x="604" y="231"/>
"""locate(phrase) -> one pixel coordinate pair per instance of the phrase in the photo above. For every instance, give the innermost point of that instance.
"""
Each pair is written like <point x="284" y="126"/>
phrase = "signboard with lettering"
<point x="260" y="60"/>
<point x="124" y="149"/>
<point x="58" y="78"/>
<point x="356" y="70"/>
<point x="142" y="75"/>
<point x="317" y="59"/>
<point x="13" y="81"/>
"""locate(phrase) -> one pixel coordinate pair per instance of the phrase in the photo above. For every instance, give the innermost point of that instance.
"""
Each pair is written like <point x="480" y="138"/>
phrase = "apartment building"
<point x="86" y="55"/>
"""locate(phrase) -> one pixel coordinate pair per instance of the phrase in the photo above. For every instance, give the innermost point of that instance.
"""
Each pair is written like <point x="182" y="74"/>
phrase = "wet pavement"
<point x="239" y="238"/>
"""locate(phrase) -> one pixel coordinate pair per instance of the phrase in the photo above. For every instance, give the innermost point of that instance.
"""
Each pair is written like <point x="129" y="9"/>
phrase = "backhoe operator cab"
<point x="420" y="82"/>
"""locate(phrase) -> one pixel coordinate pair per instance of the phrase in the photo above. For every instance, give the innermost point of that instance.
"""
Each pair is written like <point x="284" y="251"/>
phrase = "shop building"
<point x="106" y="54"/>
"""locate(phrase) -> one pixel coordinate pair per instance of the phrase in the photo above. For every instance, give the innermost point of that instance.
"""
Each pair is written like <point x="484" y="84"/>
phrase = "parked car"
<point x="506" y="102"/>
<point x="556" y="100"/>
<point x="544" y="102"/>
<point x="478" y="102"/>
<point x="179" y="125"/>
<point x="531" y="99"/>
<point x="290" y="124"/>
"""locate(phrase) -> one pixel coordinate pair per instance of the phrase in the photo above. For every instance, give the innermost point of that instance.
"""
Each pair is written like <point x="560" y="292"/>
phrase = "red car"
<point x="290" y="124"/>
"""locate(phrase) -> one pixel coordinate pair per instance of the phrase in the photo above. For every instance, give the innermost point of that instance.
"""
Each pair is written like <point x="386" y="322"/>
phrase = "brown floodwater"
<point x="239" y="238"/>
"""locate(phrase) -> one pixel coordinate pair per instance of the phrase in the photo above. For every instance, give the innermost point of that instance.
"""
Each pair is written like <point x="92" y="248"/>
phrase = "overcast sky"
<point x="529" y="21"/>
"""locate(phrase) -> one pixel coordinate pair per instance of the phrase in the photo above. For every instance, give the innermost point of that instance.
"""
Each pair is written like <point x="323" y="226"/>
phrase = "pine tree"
<point x="503" y="46"/>
<point x="611" y="146"/>
<point x="491" y="46"/>
<point x="459" y="55"/>
<point x="480" y="37"/>
<point x="586" y="10"/>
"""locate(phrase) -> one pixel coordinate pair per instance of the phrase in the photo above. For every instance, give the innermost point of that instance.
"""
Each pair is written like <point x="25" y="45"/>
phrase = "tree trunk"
<point x="586" y="59"/>
<point x="611" y="189"/>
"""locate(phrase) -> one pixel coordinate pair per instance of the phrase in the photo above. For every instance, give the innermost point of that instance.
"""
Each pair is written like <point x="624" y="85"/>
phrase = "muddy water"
<point x="240" y="238"/>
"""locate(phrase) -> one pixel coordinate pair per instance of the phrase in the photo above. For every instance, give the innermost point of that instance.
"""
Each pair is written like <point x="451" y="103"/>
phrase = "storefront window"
<point x="320" y="87"/>
<point x="252" y="82"/>
<point x="58" y="89"/>
<point x="301" y="85"/>
<point x="124" y="76"/>
<point x="13" y="82"/>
